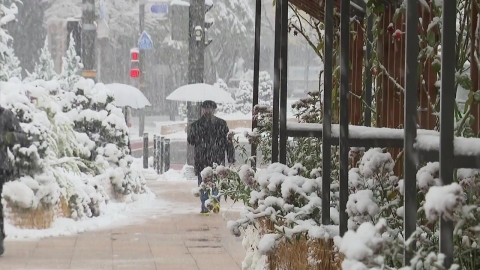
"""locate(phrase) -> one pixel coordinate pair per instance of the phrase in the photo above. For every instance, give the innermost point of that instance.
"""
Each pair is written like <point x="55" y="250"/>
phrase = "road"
<point x="178" y="151"/>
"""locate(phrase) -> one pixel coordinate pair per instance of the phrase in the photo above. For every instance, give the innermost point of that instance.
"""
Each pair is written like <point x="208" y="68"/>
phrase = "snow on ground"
<point x="116" y="214"/>
<point x="135" y="208"/>
<point x="172" y="175"/>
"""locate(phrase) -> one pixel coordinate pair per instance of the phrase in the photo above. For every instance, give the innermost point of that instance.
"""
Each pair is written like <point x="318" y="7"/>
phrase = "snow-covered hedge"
<point x="79" y="148"/>
<point x="290" y="198"/>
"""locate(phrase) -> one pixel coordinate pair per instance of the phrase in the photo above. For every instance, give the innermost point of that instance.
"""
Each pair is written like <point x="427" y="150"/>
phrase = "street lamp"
<point x="198" y="33"/>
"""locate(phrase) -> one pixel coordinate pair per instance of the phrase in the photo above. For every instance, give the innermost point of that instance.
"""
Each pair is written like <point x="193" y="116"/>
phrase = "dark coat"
<point x="209" y="136"/>
<point x="11" y="133"/>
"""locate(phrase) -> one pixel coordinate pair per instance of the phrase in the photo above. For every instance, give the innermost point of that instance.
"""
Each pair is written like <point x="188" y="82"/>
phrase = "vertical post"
<point x="327" y="110"/>
<point x="368" y="81"/>
<point x="89" y="34"/>
<point x="283" y="80"/>
<point x="142" y="60"/>
<point x="276" y="82"/>
<point x="162" y="155"/>
<point x="344" y="91"/>
<point x="145" y="150"/>
<point x="447" y="99"/>
<point x="256" y="74"/>
<point x="167" y="155"/>
<point x="155" y="152"/>
<point x="410" y="114"/>
<point x="195" y="62"/>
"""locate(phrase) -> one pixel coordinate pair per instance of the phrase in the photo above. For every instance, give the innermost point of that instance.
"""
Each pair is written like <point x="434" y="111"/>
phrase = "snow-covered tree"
<point x="265" y="89"/>
<point x="243" y="98"/>
<point x="182" y="110"/>
<point x="44" y="68"/>
<point x="228" y="107"/>
<point x="71" y="65"/>
<point x="9" y="63"/>
<point x="232" y="34"/>
<point x="120" y="15"/>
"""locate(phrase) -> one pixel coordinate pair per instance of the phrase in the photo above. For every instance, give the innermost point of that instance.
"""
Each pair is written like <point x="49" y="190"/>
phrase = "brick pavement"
<point x="176" y="242"/>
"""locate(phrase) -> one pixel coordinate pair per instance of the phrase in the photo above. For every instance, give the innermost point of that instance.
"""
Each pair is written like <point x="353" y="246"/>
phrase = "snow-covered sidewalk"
<point x="165" y="232"/>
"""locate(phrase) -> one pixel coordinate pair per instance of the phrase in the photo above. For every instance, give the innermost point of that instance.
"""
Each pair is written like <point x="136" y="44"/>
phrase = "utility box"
<point x="74" y="26"/>
<point x="180" y="17"/>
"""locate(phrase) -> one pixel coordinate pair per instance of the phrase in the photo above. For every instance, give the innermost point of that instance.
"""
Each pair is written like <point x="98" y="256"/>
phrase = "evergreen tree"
<point x="9" y="64"/>
<point x="228" y="107"/>
<point x="71" y="65"/>
<point x="265" y="89"/>
<point x="45" y="68"/>
<point x="243" y="98"/>
<point x="182" y="110"/>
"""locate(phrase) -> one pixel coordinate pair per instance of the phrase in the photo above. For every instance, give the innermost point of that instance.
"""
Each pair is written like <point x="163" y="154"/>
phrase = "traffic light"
<point x="134" y="63"/>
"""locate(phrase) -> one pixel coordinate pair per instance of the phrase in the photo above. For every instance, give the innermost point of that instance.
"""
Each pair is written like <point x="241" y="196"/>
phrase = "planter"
<point x="62" y="209"/>
<point x="40" y="218"/>
<point x="304" y="254"/>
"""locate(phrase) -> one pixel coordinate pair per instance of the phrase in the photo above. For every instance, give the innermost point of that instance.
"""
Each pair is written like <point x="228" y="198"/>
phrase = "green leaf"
<point x="431" y="40"/>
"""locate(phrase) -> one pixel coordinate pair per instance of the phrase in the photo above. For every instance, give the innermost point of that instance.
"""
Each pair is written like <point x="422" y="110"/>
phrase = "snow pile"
<point x="171" y="175"/>
<point x="360" y="247"/>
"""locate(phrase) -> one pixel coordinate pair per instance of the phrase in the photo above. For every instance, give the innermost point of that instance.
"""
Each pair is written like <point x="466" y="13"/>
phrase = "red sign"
<point x="135" y="56"/>
<point x="134" y="72"/>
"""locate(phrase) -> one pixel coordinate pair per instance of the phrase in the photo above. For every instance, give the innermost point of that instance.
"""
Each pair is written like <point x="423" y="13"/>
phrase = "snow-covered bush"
<point x="182" y="110"/>
<point x="290" y="198"/>
<point x="243" y="98"/>
<point x="71" y="66"/>
<point x="226" y="108"/>
<point x="265" y="89"/>
<point x="45" y="67"/>
<point x="91" y="106"/>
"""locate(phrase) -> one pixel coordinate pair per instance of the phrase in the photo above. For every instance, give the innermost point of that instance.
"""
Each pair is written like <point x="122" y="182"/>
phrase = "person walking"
<point x="209" y="136"/>
<point x="11" y="133"/>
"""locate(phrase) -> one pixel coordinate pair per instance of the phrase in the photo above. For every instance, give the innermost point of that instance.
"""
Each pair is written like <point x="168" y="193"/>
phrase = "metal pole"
<point x="447" y="99"/>
<point x="283" y="80"/>
<point x="167" y="155"/>
<point x="256" y="74"/>
<point x="410" y="130"/>
<point x="327" y="110"/>
<point x="162" y="155"/>
<point x="145" y="150"/>
<point x="89" y="34"/>
<point x="344" y="91"/>
<point x="276" y="83"/>
<point x="196" y="58"/>
<point x="142" y="60"/>
<point x="155" y="152"/>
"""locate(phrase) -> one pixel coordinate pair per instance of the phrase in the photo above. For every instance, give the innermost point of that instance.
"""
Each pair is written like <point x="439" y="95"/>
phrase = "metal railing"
<point x="413" y="154"/>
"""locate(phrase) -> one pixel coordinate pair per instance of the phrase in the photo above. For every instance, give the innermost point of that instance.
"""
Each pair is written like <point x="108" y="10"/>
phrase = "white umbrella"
<point x="127" y="95"/>
<point x="200" y="92"/>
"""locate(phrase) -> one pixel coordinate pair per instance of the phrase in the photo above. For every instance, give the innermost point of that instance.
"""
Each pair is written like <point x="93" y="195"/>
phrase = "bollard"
<point x="159" y="155"/>
<point x="155" y="152"/>
<point x="166" y="156"/>
<point x="162" y="154"/>
<point x="145" y="150"/>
